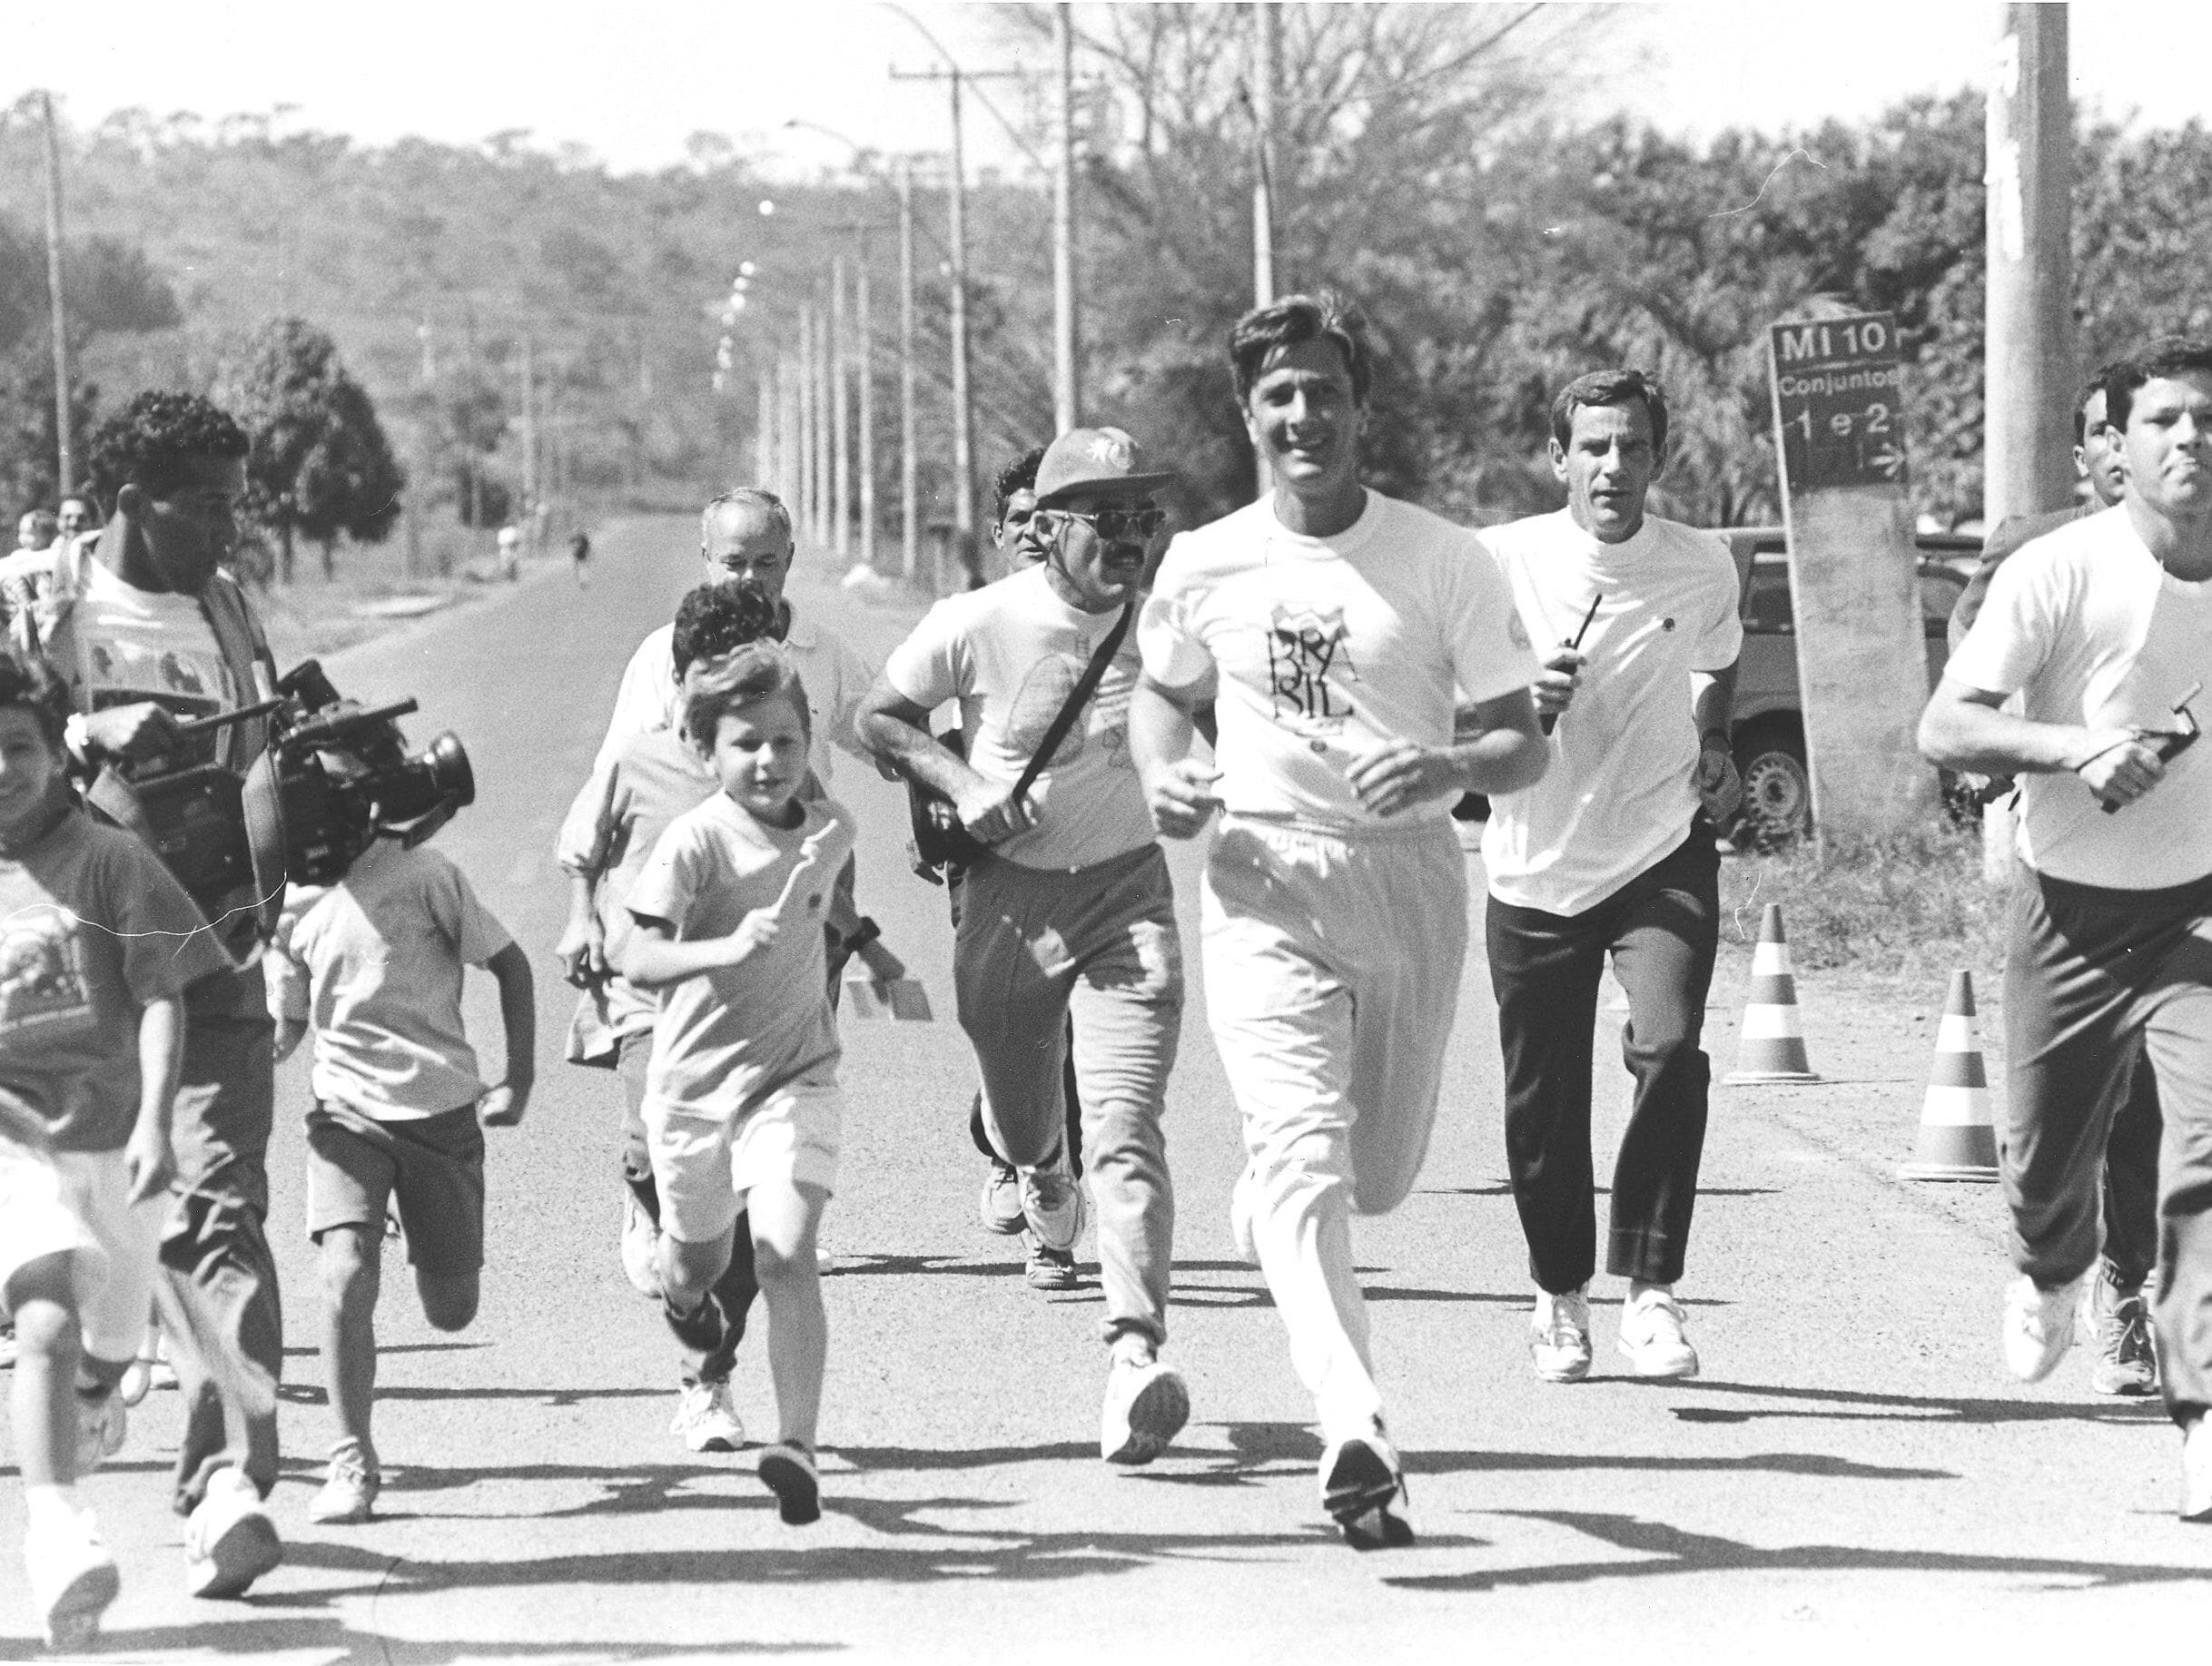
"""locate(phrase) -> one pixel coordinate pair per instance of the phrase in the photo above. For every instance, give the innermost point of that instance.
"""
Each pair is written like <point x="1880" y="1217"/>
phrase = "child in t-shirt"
<point x="97" y="945"/>
<point x="742" y="1109"/>
<point x="375" y="964"/>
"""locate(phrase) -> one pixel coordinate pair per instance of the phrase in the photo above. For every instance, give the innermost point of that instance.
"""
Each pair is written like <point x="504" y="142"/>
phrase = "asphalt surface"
<point x="1853" y="1475"/>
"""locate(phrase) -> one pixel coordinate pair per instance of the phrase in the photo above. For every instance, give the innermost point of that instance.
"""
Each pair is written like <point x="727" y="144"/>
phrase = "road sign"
<point x="1839" y="401"/>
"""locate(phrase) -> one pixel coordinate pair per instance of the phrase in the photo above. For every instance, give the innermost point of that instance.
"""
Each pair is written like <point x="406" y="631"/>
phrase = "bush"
<point x="1916" y="904"/>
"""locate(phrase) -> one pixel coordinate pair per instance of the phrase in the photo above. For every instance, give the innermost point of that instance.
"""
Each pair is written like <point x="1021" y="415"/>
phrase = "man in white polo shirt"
<point x="1332" y="629"/>
<point x="2105" y="627"/>
<point x="1611" y="854"/>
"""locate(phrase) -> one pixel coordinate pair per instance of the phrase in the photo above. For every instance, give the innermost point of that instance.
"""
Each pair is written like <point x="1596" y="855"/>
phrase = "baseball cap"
<point x="1095" y="459"/>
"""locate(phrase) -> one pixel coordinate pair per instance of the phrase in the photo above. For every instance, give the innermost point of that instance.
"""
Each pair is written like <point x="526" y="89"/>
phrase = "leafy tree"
<point x="320" y="467"/>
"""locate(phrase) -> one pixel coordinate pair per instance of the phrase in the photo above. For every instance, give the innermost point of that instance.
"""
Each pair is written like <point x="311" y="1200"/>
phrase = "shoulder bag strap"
<point x="1085" y="686"/>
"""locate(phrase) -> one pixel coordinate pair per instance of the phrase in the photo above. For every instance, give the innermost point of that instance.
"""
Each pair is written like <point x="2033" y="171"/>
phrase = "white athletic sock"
<point x="43" y="1507"/>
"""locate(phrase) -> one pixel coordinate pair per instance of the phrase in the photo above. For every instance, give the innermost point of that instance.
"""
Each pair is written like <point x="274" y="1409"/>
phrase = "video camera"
<point x="333" y="777"/>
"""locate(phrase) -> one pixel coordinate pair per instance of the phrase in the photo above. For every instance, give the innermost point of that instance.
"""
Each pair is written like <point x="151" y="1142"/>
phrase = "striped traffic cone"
<point x="1958" y="1141"/>
<point x="1773" y="1047"/>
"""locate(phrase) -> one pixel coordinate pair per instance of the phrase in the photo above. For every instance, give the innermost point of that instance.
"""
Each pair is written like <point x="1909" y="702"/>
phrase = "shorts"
<point x="77" y="1203"/>
<point x="705" y="1162"/>
<point x="433" y="1166"/>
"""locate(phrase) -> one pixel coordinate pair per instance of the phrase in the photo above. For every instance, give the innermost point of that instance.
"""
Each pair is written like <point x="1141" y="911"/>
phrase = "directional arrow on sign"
<point x="1890" y="460"/>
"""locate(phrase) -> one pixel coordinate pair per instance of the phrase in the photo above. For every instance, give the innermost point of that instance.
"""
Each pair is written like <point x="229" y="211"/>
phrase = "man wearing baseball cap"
<point x="1068" y="909"/>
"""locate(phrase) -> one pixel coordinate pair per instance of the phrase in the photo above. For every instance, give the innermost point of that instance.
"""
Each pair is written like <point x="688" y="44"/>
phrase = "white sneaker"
<point x="1363" y="1488"/>
<point x="229" y="1541"/>
<point x="102" y="1425"/>
<point x="1651" y="1335"/>
<point x="1559" y="1335"/>
<point x="707" y="1417"/>
<point x="1053" y="1206"/>
<point x="641" y="1247"/>
<point x="349" y="1488"/>
<point x="2196" y="1470"/>
<point x="2038" y="1326"/>
<point x="73" y="1579"/>
<point x="999" y="1208"/>
<point x="1146" y="1408"/>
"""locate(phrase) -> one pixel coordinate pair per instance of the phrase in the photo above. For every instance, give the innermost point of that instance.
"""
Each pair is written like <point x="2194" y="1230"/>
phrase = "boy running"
<point x="375" y="964"/>
<point x="742" y="1109"/>
<point x="96" y="948"/>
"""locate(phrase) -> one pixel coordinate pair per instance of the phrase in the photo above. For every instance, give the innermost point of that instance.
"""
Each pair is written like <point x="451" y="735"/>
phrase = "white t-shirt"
<point x="376" y="962"/>
<point x="726" y="1037"/>
<point x="1325" y="648"/>
<point x="1010" y="653"/>
<point x="836" y="681"/>
<point x="2087" y="625"/>
<point x="1622" y="787"/>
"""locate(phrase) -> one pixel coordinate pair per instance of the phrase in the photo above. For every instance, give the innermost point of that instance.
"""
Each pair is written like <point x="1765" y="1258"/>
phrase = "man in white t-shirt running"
<point x="1335" y="630"/>
<point x="1612" y="854"/>
<point x="1068" y="909"/>
<point x="2105" y="628"/>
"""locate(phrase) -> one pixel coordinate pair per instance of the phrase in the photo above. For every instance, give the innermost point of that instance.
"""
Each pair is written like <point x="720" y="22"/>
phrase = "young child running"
<point x="742" y="1109"/>
<point x="97" y="943"/>
<point x="375" y="962"/>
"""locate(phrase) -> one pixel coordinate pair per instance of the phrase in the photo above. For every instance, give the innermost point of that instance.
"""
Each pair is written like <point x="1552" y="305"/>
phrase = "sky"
<point x="630" y="83"/>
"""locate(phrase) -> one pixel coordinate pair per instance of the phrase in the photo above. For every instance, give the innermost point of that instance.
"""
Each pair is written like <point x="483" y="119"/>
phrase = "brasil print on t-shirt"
<point x="1310" y="666"/>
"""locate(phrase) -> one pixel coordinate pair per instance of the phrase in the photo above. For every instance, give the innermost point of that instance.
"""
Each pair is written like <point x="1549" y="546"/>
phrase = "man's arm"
<point x="1496" y="748"/>
<point x="1178" y="788"/>
<point x="1712" y="699"/>
<point x="150" y="1158"/>
<point x="503" y="1106"/>
<point x="896" y="731"/>
<point x="1963" y="729"/>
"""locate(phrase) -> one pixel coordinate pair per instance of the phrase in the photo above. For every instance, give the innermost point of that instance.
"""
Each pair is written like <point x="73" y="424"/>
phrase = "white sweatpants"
<point x="1332" y="973"/>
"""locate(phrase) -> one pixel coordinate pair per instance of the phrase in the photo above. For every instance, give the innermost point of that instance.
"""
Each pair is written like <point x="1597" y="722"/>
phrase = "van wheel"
<point x="1777" y="789"/>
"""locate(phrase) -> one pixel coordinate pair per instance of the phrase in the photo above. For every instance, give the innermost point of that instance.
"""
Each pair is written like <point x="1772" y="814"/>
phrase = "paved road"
<point x="1853" y="1475"/>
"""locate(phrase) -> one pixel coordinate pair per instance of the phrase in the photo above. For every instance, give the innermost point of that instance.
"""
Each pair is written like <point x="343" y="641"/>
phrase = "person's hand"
<point x="758" y="929"/>
<point x="1553" y="689"/>
<point x="150" y="1161"/>
<point x="1720" y="789"/>
<point x="991" y="814"/>
<point x="290" y="1033"/>
<point x="2121" y="765"/>
<point x="582" y="951"/>
<point x="133" y="731"/>
<point x="1400" y="774"/>
<point x="881" y="964"/>
<point x="1181" y="797"/>
<point x="502" y="1106"/>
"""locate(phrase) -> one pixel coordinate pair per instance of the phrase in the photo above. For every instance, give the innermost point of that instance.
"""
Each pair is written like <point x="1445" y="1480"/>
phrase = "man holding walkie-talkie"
<point x="1612" y="854"/>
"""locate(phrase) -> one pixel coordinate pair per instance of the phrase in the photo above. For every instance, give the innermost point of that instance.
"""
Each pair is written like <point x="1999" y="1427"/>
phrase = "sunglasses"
<point x="1113" y="525"/>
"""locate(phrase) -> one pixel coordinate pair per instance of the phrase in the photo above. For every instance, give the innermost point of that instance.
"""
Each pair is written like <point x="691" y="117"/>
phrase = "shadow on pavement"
<point x="1911" y="1408"/>
<point x="1674" y="1550"/>
<point x="308" y="1394"/>
<point x="1758" y="1463"/>
<point x="293" y="1634"/>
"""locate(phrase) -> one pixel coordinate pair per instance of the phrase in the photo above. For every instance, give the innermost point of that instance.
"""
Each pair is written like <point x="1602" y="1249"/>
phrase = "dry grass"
<point x="313" y="615"/>
<point x="1912" y="906"/>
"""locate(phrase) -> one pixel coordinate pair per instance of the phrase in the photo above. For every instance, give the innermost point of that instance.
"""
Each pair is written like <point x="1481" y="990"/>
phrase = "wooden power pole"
<point x="1266" y="53"/>
<point x="2028" y="366"/>
<point x="64" y="448"/>
<point x="1067" y="383"/>
<point x="909" y="508"/>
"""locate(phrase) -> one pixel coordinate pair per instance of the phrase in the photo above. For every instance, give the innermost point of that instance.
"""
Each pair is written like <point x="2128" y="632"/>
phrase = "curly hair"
<point x="1018" y="476"/>
<point x="715" y="619"/>
<point x="758" y="671"/>
<point x="1327" y="317"/>
<point x="29" y="681"/>
<point x="151" y="441"/>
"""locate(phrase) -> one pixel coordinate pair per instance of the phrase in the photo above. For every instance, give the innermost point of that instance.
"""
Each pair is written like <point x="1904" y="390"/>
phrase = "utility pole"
<point x="824" y="470"/>
<point x="787" y="474"/>
<point x="910" y="529"/>
<point x="965" y="548"/>
<point x="841" y="414"/>
<point x="1067" y="384"/>
<point x="529" y="448"/>
<point x="64" y="450"/>
<point x="2027" y="437"/>
<point x="1265" y="56"/>
<point x="864" y="364"/>
<point x="804" y="502"/>
<point x="764" y="426"/>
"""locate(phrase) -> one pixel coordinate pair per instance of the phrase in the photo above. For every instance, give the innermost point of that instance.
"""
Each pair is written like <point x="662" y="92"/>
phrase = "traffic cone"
<point x="1958" y="1141"/>
<point x="1773" y="1047"/>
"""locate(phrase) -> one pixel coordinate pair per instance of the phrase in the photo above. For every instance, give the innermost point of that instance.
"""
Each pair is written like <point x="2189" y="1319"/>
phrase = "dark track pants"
<point x="1662" y="930"/>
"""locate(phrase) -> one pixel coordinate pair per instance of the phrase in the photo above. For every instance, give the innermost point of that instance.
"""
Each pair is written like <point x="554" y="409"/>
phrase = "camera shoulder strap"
<point x="1078" y="697"/>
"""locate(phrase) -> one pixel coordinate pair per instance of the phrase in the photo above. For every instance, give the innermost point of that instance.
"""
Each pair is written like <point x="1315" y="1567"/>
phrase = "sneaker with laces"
<point x="102" y="1425"/>
<point x="1053" y="1206"/>
<point x="787" y="1468"/>
<point x="1147" y="1404"/>
<point x="1001" y="1206"/>
<point x="2038" y="1326"/>
<point x="2127" y="1357"/>
<point x="73" y="1578"/>
<point x="1363" y="1488"/>
<point x="1559" y="1335"/>
<point x="1651" y="1335"/>
<point x="2197" y="1470"/>
<point x="641" y="1247"/>
<point x="1050" y="1269"/>
<point x="707" y="1417"/>
<point x="230" y="1540"/>
<point x="350" y="1487"/>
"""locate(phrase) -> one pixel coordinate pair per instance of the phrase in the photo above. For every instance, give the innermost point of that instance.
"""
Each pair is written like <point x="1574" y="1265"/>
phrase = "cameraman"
<point x="147" y="631"/>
